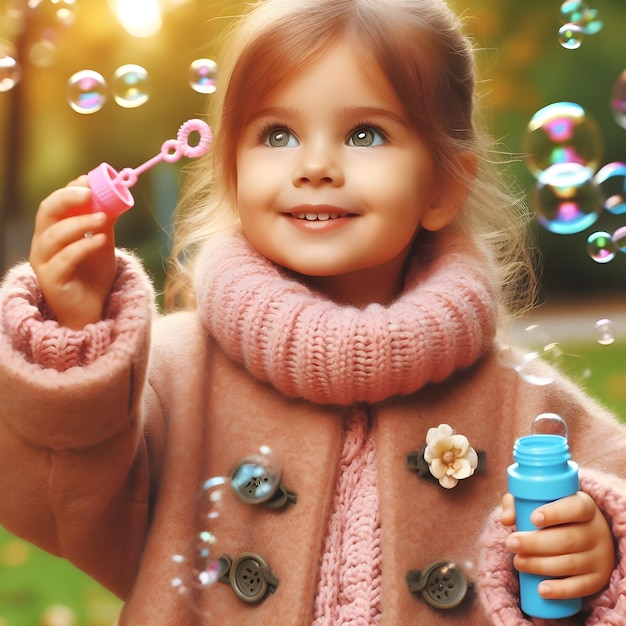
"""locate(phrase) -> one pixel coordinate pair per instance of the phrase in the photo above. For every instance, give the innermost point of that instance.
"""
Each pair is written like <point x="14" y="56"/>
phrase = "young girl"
<point x="322" y="436"/>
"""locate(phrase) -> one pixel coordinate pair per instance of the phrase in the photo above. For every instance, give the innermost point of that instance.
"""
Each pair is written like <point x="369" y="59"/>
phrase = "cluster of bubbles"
<point x="200" y="564"/>
<point x="538" y="348"/>
<point x="87" y="90"/>
<point x="578" y="20"/>
<point x="563" y="149"/>
<point x="58" y="14"/>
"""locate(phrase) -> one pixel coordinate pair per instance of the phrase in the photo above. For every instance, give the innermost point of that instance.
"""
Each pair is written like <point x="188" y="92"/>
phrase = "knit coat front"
<point x="119" y="443"/>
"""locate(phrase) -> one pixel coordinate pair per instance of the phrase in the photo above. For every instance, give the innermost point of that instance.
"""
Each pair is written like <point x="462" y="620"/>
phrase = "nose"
<point x="318" y="167"/>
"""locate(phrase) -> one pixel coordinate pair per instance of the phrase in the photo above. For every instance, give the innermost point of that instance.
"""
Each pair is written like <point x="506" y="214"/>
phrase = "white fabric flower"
<point x="449" y="456"/>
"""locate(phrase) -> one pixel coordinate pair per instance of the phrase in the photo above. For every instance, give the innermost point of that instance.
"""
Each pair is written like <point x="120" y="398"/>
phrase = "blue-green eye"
<point x="281" y="138"/>
<point x="366" y="137"/>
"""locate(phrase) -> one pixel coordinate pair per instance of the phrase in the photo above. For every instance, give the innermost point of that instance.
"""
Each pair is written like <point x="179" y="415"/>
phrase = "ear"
<point x="450" y="200"/>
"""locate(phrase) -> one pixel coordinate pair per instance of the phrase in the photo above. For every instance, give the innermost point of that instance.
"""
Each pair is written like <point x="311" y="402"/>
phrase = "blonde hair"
<point x="428" y="62"/>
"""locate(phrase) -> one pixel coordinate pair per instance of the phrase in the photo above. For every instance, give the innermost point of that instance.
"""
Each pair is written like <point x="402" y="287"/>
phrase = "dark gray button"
<point x="441" y="585"/>
<point x="250" y="577"/>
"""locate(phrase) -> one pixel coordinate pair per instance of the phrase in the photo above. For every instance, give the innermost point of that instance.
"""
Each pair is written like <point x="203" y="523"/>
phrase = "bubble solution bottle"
<point x="542" y="473"/>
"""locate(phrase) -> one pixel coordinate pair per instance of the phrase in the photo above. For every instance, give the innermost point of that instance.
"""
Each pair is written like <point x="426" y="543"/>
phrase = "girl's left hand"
<point x="574" y="544"/>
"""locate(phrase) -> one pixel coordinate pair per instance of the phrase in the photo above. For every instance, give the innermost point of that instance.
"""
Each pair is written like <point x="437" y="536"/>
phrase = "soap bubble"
<point x="257" y="478"/>
<point x="550" y="424"/>
<point x="42" y="53"/>
<point x="571" y="36"/>
<point x="562" y="132"/>
<point x="611" y="180"/>
<point x="566" y="199"/>
<point x="605" y="332"/>
<point x="203" y="76"/>
<point x="212" y="495"/>
<point x="199" y="564"/>
<point x="65" y="12"/>
<point x="537" y="348"/>
<point x="590" y="23"/>
<point x="619" y="238"/>
<point x="601" y="247"/>
<point x="10" y="73"/>
<point x="61" y="12"/>
<point x="578" y="13"/>
<point x="618" y="100"/>
<point x="86" y="91"/>
<point x="574" y="10"/>
<point x="130" y="86"/>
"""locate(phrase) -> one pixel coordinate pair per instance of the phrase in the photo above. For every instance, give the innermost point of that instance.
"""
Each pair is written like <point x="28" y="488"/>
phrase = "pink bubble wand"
<point x="110" y="189"/>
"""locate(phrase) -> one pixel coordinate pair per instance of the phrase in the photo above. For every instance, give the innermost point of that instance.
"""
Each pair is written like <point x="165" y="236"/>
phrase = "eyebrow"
<point x="346" y="111"/>
<point x="375" y="112"/>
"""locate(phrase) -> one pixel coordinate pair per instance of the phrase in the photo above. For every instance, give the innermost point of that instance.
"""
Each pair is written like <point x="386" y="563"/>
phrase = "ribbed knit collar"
<point x="309" y="347"/>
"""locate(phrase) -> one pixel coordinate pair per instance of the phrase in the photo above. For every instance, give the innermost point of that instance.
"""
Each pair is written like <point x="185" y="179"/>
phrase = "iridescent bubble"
<point x="256" y="478"/>
<point x="618" y="100"/>
<point x="203" y="76"/>
<point x="605" y="332"/>
<point x="550" y="424"/>
<point x="210" y="573"/>
<point x="611" y="180"/>
<point x="619" y="238"/>
<point x="571" y="36"/>
<point x="566" y="199"/>
<point x="574" y="10"/>
<point x="65" y="12"/>
<point x="86" y="91"/>
<point x="212" y="495"/>
<point x="589" y="22"/>
<point x="42" y="53"/>
<point x="179" y="584"/>
<point x="562" y="133"/>
<point x="206" y="539"/>
<point x="537" y="349"/>
<point x="131" y="86"/>
<point x="10" y="73"/>
<point x="601" y="247"/>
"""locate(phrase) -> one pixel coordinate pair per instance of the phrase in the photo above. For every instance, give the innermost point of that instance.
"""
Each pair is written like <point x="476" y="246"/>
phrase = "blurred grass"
<point x="31" y="582"/>
<point x="601" y="371"/>
<point x="35" y="586"/>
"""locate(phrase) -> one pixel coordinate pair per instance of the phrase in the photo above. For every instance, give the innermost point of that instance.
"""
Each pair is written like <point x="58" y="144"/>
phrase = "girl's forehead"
<point x="341" y="62"/>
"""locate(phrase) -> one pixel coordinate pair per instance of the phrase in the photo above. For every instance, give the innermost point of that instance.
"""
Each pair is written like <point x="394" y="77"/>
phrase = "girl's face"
<point x="333" y="184"/>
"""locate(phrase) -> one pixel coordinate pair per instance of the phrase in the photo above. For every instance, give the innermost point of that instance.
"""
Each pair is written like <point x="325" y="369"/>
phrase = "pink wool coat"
<point x="107" y="436"/>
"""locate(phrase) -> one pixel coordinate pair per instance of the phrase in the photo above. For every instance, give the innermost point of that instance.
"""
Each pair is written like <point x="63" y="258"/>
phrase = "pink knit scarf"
<point x="307" y="346"/>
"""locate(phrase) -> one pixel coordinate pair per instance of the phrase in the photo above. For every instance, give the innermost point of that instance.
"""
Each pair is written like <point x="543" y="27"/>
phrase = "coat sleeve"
<point x="73" y="455"/>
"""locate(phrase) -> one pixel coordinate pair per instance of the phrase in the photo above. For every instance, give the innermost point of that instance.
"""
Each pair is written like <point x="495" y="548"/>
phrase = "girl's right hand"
<point x="73" y="255"/>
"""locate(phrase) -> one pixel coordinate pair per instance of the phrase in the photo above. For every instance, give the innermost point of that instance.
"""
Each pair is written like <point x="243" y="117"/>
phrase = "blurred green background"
<point x="45" y="144"/>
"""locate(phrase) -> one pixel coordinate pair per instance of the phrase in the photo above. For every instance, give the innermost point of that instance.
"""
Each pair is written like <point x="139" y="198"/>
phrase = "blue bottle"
<point x="542" y="473"/>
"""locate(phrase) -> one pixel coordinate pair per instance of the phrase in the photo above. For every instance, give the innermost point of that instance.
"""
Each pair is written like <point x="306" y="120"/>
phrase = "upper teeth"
<point x="317" y="216"/>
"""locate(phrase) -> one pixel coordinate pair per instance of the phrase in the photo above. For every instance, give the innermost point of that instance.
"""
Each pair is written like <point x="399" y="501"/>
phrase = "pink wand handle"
<point x="110" y="189"/>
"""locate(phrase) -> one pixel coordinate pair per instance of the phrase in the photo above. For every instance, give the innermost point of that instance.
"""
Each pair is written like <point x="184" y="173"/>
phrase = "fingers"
<point x="578" y="508"/>
<point x="573" y="564"/>
<point x="71" y="200"/>
<point x="576" y="574"/>
<point x="565" y="539"/>
<point x="575" y="546"/>
<point x="67" y="238"/>
<point x="571" y="587"/>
